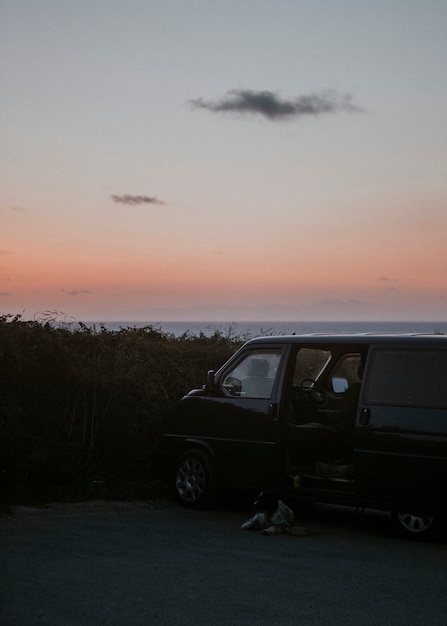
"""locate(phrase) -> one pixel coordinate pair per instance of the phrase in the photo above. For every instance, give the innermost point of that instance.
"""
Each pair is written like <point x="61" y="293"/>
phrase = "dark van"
<point x="350" y="419"/>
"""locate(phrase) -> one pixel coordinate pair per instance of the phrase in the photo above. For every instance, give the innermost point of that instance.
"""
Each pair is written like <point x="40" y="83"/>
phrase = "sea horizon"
<point x="256" y="328"/>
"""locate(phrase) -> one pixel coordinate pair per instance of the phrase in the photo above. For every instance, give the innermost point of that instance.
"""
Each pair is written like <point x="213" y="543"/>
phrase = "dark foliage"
<point x="79" y="406"/>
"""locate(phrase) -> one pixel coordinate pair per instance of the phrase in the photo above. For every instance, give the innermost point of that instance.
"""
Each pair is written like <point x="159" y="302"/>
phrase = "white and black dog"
<point x="272" y="516"/>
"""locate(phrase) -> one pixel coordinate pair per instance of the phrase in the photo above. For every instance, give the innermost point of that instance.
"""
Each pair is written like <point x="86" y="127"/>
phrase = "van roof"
<point x="357" y="338"/>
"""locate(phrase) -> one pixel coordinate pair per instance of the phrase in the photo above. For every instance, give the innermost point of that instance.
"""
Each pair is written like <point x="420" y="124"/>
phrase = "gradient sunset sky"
<point x="239" y="160"/>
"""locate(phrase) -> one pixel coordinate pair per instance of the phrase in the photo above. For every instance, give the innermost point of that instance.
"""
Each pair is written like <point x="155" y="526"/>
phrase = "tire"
<point x="195" y="480"/>
<point x="416" y="526"/>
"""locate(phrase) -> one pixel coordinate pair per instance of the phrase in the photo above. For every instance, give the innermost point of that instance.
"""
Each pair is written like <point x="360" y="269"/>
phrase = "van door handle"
<point x="364" y="417"/>
<point x="273" y="411"/>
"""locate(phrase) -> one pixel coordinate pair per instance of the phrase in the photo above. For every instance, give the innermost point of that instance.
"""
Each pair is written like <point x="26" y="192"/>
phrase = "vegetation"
<point x="79" y="407"/>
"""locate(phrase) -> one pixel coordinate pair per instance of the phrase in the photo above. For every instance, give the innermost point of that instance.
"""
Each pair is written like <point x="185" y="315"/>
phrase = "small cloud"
<point x="4" y="294"/>
<point x="273" y="107"/>
<point x="75" y="292"/>
<point x="17" y="209"/>
<point x="386" y="279"/>
<point x="333" y="308"/>
<point x="345" y="303"/>
<point x="132" y="200"/>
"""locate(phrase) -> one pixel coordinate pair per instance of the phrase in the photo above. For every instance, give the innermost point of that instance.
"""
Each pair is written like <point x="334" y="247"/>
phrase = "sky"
<point x="241" y="160"/>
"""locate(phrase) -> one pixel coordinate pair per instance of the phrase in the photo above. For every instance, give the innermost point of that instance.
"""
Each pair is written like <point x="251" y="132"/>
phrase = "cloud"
<point x="386" y="279"/>
<point x="129" y="199"/>
<point x="4" y="294"/>
<point x="333" y="308"/>
<point x="273" y="107"/>
<point x="75" y="292"/>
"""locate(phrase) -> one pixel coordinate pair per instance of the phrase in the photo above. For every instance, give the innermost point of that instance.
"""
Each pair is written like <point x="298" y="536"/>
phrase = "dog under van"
<point x="359" y="420"/>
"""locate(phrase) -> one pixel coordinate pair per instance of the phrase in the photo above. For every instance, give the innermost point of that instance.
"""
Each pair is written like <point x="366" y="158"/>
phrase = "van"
<point x="356" y="420"/>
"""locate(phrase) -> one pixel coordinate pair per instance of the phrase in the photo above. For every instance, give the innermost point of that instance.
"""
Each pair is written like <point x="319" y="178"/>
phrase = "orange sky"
<point x="123" y="200"/>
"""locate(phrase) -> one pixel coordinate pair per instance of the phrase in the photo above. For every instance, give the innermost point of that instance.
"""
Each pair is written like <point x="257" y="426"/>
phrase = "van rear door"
<point x="401" y="432"/>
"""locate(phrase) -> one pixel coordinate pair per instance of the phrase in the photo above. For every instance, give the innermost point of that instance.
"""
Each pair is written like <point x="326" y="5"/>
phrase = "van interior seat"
<point x="257" y="384"/>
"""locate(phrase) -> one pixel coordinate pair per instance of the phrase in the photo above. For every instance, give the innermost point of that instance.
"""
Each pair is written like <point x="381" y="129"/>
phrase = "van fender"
<point x="192" y="443"/>
<point x="195" y="442"/>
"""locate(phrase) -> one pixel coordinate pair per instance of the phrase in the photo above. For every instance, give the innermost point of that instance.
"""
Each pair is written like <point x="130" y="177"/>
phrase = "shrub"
<point x="81" y="404"/>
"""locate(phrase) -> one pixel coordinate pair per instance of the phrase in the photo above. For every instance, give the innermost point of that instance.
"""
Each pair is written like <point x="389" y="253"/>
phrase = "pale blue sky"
<point x="245" y="217"/>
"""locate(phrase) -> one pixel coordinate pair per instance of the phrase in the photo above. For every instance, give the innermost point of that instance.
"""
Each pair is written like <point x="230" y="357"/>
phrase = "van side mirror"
<point x="210" y="382"/>
<point x="339" y="385"/>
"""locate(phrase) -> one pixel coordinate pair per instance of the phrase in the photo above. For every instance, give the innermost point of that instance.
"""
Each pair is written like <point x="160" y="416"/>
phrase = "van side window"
<point x="347" y="367"/>
<point x="253" y="376"/>
<point x="408" y="378"/>
<point x="310" y="362"/>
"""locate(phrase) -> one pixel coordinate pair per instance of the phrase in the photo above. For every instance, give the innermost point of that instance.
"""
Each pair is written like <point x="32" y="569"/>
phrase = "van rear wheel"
<point x="194" y="480"/>
<point x="416" y="525"/>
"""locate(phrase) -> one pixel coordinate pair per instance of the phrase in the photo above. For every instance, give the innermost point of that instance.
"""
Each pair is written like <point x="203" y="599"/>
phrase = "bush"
<point x="80" y="405"/>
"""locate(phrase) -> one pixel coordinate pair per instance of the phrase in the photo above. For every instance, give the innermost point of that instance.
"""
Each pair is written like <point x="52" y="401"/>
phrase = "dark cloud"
<point x="129" y="199"/>
<point x="75" y="292"/>
<point x="4" y="294"/>
<point x="273" y="107"/>
<point x="386" y="279"/>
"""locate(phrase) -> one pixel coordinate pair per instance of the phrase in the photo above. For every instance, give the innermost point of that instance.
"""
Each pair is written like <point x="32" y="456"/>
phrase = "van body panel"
<point x="401" y="434"/>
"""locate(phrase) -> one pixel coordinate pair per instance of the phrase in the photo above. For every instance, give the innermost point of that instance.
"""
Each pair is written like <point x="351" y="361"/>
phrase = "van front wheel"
<point x="194" y="479"/>
<point x="417" y="526"/>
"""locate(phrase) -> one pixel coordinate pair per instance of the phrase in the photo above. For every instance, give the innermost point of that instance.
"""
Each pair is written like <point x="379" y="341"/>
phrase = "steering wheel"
<point x="314" y="392"/>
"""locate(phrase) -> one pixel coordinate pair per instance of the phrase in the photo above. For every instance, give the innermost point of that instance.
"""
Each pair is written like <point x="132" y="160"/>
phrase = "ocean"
<point x="247" y="330"/>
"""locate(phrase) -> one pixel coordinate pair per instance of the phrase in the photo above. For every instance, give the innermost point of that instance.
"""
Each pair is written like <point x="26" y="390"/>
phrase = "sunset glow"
<point x="189" y="170"/>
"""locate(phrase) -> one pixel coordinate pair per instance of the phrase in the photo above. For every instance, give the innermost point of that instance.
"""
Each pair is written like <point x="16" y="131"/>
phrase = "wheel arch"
<point x="192" y="443"/>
